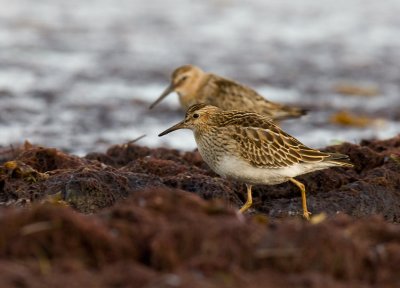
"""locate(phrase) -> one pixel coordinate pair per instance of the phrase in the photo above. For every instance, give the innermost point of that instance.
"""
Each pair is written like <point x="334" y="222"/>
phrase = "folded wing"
<point x="273" y="148"/>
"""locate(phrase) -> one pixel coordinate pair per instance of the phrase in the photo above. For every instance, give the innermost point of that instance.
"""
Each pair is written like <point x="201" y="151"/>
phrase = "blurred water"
<point x="79" y="75"/>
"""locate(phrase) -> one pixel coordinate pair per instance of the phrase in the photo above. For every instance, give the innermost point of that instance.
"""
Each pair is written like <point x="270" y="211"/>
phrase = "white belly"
<point x="235" y="168"/>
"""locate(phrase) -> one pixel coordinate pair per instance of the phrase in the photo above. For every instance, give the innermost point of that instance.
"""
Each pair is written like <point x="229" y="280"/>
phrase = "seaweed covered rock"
<point x="99" y="180"/>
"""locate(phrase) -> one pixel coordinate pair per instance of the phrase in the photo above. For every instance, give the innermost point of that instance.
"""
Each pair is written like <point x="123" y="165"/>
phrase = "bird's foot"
<point x="245" y="207"/>
<point x="307" y="215"/>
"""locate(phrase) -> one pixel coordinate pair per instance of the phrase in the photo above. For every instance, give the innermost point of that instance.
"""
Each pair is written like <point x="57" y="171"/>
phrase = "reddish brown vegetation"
<point x="144" y="230"/>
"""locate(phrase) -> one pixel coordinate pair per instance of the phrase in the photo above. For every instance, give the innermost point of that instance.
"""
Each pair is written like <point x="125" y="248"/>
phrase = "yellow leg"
<point x="306" y="214"/>
<point x="249" y="200"/>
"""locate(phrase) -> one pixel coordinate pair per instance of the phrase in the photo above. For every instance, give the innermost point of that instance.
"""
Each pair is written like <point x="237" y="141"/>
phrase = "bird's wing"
<point x="228" y="94"/>
<point x="269" y="146"/>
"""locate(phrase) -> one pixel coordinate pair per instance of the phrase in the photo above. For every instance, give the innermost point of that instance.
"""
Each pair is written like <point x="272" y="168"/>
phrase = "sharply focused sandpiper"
<point x="195" y="86"/>
<point x="250" y="148"/>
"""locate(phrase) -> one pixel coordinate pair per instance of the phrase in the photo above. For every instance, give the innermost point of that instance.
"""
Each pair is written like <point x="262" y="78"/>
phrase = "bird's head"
<point x="184" y="80"/>
<point x="197" y="117"/>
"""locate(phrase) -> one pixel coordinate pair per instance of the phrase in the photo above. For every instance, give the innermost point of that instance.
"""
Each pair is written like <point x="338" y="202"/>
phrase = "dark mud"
<point x="140" y="217"/>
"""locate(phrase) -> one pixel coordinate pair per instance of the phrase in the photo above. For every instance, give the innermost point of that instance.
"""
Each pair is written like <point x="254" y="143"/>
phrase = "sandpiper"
<point x="250" y="148"/>
<point x="195" y="86"/>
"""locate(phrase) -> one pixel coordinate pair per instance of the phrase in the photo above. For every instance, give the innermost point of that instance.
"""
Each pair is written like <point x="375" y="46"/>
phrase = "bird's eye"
<point x="183" y="78"/>
<point x="196" y="115"/>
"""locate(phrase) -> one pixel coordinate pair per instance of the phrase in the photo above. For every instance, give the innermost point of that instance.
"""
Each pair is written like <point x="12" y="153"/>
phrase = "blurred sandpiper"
<point x="195" y="86"/>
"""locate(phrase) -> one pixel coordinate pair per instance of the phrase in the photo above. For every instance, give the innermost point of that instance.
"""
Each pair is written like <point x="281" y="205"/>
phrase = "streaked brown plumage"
<point x="194" y="86"/>
<point x="250" y="148"/>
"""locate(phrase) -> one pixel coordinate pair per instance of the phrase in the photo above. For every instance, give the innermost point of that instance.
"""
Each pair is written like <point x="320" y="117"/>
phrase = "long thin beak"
<point x="166" y="92"/>
<point x="180" y="125"/>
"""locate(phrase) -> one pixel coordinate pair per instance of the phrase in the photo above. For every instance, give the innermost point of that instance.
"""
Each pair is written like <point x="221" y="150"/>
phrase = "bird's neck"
<point x="202" y="132"/>
<point x="192" y="93"/>
<point x="187" y="99"/>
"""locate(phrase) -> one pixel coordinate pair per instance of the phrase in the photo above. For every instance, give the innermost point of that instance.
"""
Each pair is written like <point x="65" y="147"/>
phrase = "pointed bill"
<point x="180" y="125"/>
<point x="166" y="92"/>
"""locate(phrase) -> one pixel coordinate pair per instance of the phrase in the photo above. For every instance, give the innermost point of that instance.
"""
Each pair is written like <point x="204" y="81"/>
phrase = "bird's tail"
<point x="287" y="112"/>
<point x="339" y="160"/>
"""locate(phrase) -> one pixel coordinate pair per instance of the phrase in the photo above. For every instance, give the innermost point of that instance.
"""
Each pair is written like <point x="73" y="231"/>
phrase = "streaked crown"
<point x="185" y="75"/>
<point x="200" y="114"/>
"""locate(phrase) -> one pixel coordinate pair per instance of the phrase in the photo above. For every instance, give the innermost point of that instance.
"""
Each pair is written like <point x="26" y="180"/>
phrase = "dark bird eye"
<point x="196" y="115"/>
